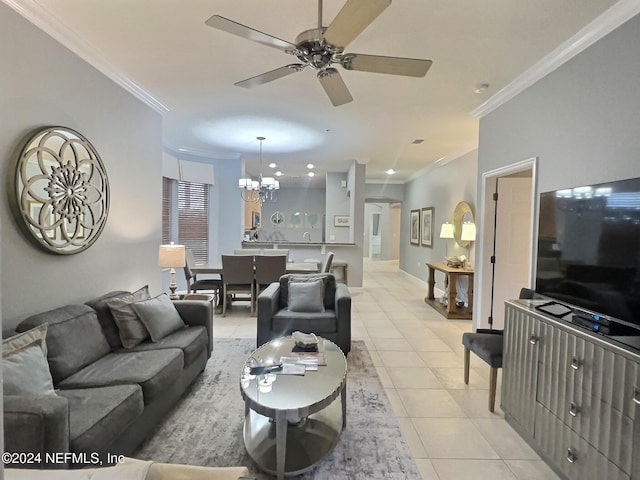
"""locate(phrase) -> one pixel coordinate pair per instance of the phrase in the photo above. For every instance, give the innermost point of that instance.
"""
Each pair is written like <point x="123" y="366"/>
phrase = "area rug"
<point x="205" y="428"/>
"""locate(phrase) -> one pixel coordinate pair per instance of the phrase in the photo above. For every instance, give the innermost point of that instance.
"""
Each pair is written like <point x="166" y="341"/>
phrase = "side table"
<point x="450" y="310"/>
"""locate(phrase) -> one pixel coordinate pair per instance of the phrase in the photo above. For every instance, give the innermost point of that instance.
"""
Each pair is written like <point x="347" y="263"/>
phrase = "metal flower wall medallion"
<point x="60" y="190"/>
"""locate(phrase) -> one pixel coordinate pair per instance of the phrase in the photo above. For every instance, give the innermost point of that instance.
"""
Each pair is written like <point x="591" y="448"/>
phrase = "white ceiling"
<point x="170" y="55"/>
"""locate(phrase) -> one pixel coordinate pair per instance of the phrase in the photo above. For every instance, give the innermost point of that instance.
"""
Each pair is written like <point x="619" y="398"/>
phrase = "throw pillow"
<point x="131" y="329"/>
<point x="159" y="315"/>
<point x="24" y="364"/>
<point x="306" y="296"/>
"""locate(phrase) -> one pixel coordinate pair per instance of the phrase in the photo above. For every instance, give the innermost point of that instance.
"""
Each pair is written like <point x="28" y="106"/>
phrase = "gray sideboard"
<point x="572" y="395"/>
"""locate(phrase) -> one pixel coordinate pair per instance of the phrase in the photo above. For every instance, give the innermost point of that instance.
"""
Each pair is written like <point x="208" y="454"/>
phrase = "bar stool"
<point x="488" y="346"/>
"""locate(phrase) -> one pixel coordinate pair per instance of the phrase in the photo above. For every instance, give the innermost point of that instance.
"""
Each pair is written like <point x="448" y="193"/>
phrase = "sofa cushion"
<point x="105" y="317"/>
<point x="25" y="370"/>
<point x="192" y="341"/>
<point x="329" y="285"/>
<point x="74" y="338"/>
<point x="319" y="323"/>
<point x="130" y="328"/>
<point x="98" y="416"/>
<point x="159" y="315"/>
<point x="306" y="296"/>
<point x="155" y="371"/>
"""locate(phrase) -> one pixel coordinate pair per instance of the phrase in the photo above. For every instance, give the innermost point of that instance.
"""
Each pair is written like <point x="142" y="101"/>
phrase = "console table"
<point x="450" y="310"/>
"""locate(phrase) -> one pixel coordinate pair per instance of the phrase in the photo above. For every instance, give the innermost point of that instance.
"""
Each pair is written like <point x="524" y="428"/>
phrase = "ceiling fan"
<point x="322" y="47"/>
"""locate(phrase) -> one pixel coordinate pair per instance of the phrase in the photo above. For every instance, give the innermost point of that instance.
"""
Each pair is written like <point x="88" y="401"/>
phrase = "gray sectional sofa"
<point x="107" y="398"/>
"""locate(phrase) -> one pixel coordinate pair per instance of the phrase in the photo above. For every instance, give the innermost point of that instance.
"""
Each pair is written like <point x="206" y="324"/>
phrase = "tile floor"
<point x="418" y="355"/>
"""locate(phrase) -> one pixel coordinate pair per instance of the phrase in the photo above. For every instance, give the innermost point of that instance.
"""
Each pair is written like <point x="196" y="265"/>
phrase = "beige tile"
<point x="384" y="332"/>
<point x="412" y="438"/>
<point x="401" y="359"/>
<point x="392" y="344"/>
<point x="531" y="470"/>
<point x="413" y="377"/>
<point x="452" y="438"/>
<point x="504" y="439"/>
<point x="475" y="403"/>
<point x="396" y="403"/>
<point x="453" y="378"/>
<point x="384" y="377"/>
<point x="425" y="467"/>
<point x="429" y="403"/>
<point x="441" y="359"/>
<point x="470" y="469"/>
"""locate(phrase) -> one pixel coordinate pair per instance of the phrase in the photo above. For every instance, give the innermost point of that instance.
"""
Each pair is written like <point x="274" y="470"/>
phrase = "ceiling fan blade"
<point x="235" y="28"/>
<point x="270" y="76"/>
<point x="334" y="86"/>
<point x="410" y="67"/>
<point x="352" y="19"/>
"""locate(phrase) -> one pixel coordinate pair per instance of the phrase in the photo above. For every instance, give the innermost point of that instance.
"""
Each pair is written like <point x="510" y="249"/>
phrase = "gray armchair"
<point x="276" y="319"/>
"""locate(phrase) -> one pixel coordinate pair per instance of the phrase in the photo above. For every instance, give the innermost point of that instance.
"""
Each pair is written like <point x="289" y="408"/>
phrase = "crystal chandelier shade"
<point x="260" y="190"/>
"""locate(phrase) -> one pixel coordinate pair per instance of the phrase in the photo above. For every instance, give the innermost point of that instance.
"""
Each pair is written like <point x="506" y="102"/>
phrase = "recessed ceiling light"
<point x="481" y="87"/>
<point x="418" y="141"/>
<point x="278" y="173"/>
<point x="272" y="165"/>
<point x="391" y="171"/>
<point x="310" y="165"/>
<point x="311" y="174"/>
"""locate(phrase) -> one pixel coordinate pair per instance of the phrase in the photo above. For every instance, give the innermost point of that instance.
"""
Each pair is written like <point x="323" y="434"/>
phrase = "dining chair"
<point x="276" y="252"/>
<point x="246" y="251"/>
<point x="268" y="269"/>
<point x="237" y="277"/>
<point x="203" y="284"/>
<point x="326" y="266"/>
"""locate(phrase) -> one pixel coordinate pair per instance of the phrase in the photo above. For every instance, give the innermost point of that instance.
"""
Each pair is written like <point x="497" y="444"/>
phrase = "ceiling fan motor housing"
<point x="313" y="50"/>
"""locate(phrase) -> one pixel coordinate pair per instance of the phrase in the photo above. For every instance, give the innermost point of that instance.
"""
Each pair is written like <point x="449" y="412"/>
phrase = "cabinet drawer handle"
<point x="574" y="409"/>
<point x="533" y="340"/>
<point x="636" y="396"/>
<point x="571" y="457"/>
<point x="575" y="363"/>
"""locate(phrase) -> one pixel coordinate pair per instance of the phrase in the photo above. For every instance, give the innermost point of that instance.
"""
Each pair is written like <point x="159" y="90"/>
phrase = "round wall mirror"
<point x="60" y="190"/>
<point x="461" y="214"/>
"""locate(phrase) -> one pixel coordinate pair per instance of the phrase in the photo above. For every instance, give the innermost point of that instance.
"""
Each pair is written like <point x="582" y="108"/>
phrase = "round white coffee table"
<point x="293" y="421"/>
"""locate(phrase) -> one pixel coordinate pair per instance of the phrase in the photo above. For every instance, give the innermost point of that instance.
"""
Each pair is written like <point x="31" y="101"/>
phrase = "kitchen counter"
<point x="258" y="243"/>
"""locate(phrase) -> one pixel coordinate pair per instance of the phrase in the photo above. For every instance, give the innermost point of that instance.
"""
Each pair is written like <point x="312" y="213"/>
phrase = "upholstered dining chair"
<point x="326" y="266"/>
<point x="246" y="251"/>
<point x="268" y="269"/>
<point x="195" y="284"/>
<point x="237" y="277"/>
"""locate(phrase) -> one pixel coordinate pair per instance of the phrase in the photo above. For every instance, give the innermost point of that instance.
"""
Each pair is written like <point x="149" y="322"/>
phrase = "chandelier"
<point x="260" y="190"/>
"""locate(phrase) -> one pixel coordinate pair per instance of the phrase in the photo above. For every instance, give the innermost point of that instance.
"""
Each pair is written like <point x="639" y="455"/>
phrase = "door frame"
<point x="482" y="274"/>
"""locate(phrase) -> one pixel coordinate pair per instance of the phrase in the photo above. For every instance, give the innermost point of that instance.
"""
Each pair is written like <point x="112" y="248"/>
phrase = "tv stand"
<point x="572" y="394"/>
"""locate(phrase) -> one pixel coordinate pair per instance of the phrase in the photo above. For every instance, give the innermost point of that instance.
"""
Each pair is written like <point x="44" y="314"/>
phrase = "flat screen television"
<point x="589" y="248"/>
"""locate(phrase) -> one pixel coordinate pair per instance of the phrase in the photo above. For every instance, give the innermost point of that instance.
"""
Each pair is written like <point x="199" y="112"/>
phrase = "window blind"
<point x="166" y="210"/>
<point x="193" y="219"/>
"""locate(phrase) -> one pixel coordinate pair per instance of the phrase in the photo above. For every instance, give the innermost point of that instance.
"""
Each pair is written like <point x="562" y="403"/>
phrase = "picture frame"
<point x="414" y="227"/>
<point x="426" y="223"/>
<point x="341" y="221"/>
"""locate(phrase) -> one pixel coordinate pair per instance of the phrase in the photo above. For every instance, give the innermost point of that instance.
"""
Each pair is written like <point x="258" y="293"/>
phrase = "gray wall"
<point x="42" y="83"/>
<point x="581" y="121"/>
<point x="441" y="187"/>
<point x="338" y="203"/>
<point x="289" y="201"/>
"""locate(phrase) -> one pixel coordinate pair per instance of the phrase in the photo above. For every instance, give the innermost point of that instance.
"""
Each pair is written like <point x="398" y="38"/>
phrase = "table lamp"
<point x="172" y="256"/>
<point x="468" y="235"/>
<point x="446" y="231"/>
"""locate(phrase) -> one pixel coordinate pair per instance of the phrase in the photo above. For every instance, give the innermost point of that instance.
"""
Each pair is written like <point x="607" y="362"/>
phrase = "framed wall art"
<point x="414" y="227"/>
<point x="426" y="223"/>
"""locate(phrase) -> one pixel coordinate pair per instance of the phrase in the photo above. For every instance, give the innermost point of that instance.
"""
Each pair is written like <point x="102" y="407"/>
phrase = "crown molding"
<point x="611" y="19"/>
<point x="49" y="24"/>
<point x="441" y="162"/>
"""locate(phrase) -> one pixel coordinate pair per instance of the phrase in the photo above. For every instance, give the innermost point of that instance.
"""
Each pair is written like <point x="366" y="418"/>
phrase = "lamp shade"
<point x="468" y="232"/>
<point x="446" y="231"/>
<point x="171" y="256"/>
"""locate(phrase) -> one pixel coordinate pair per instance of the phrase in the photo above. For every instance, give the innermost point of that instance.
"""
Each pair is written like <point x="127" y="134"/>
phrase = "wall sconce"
<point x="172" y="256"/>
<point x="446" y="231"/>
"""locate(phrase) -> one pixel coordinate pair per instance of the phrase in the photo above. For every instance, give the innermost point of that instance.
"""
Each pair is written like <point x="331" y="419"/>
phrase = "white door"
<point x="375" y="239"/>
<point x="513" y="242"/>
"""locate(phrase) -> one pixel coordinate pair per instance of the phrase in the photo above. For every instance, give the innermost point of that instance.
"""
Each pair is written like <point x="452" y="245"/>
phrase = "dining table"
<point x="292" y="267"/>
